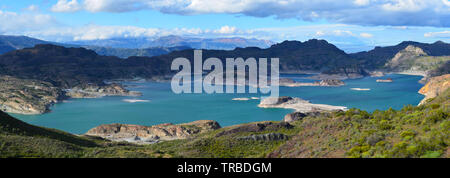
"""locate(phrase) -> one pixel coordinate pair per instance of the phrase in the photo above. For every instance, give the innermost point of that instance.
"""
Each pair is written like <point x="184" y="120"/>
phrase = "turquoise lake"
<point x="79" y="115"/>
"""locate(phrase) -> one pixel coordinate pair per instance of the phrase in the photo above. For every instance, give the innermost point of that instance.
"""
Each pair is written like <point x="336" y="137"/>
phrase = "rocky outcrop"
<point x="330" y="82"/>
<point x="297" y="104"/>
<point x="152" y="134"/>
<point x="28" y="96"/>
<point x="23" y="96"/>
<point x="435" y="87"/>
<point x="96" y="91"/>
<point x="376" y="74"/>
<point x="296" y="116"/>
<point x="255" y="127"/>
<point x="415" y="61"/>
<point x="404" y="55"/>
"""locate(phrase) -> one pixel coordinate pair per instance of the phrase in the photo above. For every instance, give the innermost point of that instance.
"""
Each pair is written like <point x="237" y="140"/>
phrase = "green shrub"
<point x="431" y="154"/>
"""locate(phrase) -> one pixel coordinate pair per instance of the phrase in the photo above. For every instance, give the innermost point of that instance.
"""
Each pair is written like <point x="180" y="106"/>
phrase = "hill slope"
<point x="10" y="43"/>
<point x="414" y="60"/>
<point x="378" y="57"/>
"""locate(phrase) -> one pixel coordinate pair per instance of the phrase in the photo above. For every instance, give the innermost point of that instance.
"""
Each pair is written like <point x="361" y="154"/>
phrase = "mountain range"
<point x="11" y="43"/>
<point x="126" y="47"/>
<point x="68" y="67"/>
<point x="173" y="41"/>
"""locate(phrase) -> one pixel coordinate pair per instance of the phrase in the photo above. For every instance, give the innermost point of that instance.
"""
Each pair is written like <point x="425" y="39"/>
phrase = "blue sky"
<point x="350" y="24"/>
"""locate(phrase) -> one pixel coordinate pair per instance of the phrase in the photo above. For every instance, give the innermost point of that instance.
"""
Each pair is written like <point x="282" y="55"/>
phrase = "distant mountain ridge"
<point x="10" y="43"/>
<point x="126" y="47"/>
<point x="127" y="52"/>
<point x="172" y="41"/>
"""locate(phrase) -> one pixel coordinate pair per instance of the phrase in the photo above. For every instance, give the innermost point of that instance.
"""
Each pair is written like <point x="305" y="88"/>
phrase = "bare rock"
<point x="95" y="91"/>
<point x="255" y="127"/>
<point x="435" y="87"/>
<point x="299" y="105"/>
<point x="330" y="82"/>
<point x="148" y="134"/>
<point x="25" y="96"/>
<point x="296" y="116"/>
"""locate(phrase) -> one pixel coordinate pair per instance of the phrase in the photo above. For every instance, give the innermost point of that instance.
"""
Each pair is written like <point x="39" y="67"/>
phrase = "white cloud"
<point x="320" y="33"/>
<point x="360" y="12"/>
<point x="32" y="8"/>
<point x="226" y="30"/>
<point x="446" y="2"/>
<point x="361" y="2"/>
<point x="66" y="6"/>
<point x="343" y="33"/>
<point x="406" y="5"/>
<point x="12" y="21"/>
<point x="443" y="34"/>
<point x="100" y="32"/>
<point x="366" y="35"/>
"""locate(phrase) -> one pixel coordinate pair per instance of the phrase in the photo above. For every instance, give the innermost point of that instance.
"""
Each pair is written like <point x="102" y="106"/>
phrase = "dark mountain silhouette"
<point x="127" y="52"/>
<point x="68" y="67"/>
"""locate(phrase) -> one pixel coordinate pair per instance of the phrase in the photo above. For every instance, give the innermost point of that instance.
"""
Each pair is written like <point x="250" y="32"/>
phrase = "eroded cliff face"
<point x="28" y="96"/>
<point x="151" y="134"/>
<point x="22" y="96"/>
<point x="435" y="87"/>
<point x="415" y="61"/>
<point x="402" y="57"/>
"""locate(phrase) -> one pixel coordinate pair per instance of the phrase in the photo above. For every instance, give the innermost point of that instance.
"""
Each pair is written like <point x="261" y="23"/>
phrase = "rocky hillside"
<point x="377" y="58"/>
<point x="312" y="55"/>
<point x="69" y="67"/>
<point x="29" y="96"/>
<point x="414" y="60"/>
<point x="436" y="86"/>
<point x="152" y="134"/>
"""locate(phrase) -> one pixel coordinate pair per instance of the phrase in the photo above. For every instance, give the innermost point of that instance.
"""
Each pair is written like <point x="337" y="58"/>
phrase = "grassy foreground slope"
<point x="414" y="131"/>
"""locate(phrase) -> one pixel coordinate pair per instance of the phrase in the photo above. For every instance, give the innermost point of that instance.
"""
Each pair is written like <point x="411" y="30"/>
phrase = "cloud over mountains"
<point x="360" y="12"/>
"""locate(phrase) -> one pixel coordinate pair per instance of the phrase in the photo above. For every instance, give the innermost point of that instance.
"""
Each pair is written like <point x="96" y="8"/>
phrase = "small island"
<point x="299" y="105"/>
<point x="388" y="80"/>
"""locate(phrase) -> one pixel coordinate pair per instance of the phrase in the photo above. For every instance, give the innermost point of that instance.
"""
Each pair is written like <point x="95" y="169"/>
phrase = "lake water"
<point x="79" y="115"/>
